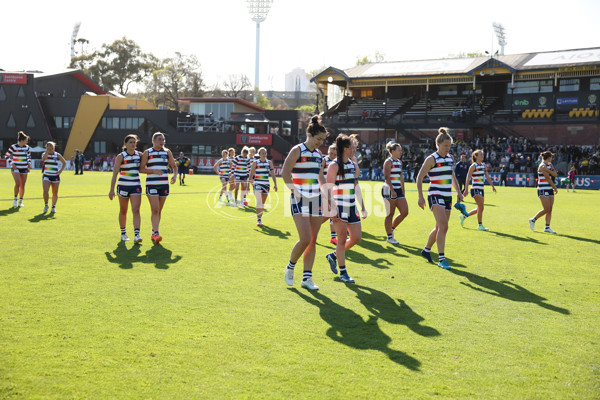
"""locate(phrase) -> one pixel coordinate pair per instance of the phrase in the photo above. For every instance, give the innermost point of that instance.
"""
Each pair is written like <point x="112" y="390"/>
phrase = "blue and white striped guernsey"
<point x="225" y="168"/>
<point x="327" y="162"/>
<point x="543" y="183"/>
<point x="396" y="173"/>
<point x="241" y="166"/>
<point x="158" y="160"/>
<point x="478" y="175"/>
<point x="51" y="165"/>
<point x="20" y="156"/>
<point x="129" y="172"/>
<point x="440" y="176"/>
<point x="262" y="172"/>
<point x="343" y="191"/>
<point x="305" y="174"/>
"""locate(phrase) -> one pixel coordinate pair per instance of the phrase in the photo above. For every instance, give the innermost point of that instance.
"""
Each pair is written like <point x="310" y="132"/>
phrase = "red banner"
<point x="16" y="79"/>
<point x="262" y="140"/>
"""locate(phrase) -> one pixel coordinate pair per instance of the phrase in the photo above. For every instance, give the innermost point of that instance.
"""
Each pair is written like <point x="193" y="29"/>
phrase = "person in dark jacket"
<point x="460" y="171"/>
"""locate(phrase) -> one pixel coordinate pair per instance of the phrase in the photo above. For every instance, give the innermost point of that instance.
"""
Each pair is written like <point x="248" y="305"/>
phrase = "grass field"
<point x="207" y="314"/>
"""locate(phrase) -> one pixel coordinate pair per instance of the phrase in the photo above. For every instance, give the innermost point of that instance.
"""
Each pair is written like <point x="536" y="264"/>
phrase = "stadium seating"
<point x="583" y="112"/>
<point x="447" y="107"/>
<point x="539" y="113"/>
<point x="375" y="108"/>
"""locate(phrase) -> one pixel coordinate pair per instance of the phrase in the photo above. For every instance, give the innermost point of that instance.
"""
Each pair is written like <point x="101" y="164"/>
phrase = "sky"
<point x="310" y="34"/>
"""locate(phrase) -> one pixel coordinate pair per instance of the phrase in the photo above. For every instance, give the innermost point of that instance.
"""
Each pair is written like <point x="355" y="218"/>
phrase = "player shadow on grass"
<point x="125" y="257"/>
<point x="385" y="307"/>
<point x="160" y="257"/>
<point x="527" y="239"/>
<point x="507" y="290"/>
<point x="41" y="217"/>
<point x="8" y="211"/>
<point x="358" y="258"/>
<point x="583" y="239"/>
<point x="350" y="329"/>
<point x="267" y="230"/>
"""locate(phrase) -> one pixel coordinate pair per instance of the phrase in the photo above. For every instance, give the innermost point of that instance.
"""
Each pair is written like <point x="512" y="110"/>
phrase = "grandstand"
<point x="556" y="92"/>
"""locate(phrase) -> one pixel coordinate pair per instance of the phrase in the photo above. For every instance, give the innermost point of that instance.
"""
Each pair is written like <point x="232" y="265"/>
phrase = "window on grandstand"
<point x="470" y="90"/>
<point x="219" y="110"/>
<point x="201" y="150"/>
<point x="568" y="85"/>
<point x="63" y="122"/>
<point x="100" y="147"/>
<point x="448" y="90"/>
<point x="595" y="84"/>
<point x="366" y="93"/>
<point x="532" y="87"/>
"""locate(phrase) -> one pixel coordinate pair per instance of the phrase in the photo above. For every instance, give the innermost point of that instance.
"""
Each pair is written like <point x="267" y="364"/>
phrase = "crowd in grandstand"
<point x="514" y="154"/>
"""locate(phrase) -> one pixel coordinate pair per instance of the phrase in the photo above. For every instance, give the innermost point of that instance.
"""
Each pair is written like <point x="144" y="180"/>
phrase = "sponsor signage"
<point x="581" y="182"/>
<point x="204" y="162"/>
<point x="565" y="57"/>
<point x="253" y="139"/>
<point x="565" y="101"/>
<point x="13" y="79"/>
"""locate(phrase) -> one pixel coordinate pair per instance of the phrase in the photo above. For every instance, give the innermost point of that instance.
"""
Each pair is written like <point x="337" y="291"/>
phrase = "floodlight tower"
<point x="258" y="12"/>
<point x="74" y="38"/>
<point x="500" y="35"/>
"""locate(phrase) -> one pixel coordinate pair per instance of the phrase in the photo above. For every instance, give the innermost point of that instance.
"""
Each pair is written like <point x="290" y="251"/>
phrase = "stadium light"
<point x="74" y="38"/>
<point x="500" y="35"/>
<point x="258" y="12"/>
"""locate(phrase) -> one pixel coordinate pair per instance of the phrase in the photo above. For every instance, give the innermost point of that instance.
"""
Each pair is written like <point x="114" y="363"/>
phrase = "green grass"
<point x="208" y="315"/>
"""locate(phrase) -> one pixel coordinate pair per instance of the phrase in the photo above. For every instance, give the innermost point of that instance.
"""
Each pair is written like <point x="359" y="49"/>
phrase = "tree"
<point x="262" y="101"/>
<point x="116" y="66"/>
<point x="178" y="76"/>
<point x="379" y="57"/>
<point x="237" y="86"/>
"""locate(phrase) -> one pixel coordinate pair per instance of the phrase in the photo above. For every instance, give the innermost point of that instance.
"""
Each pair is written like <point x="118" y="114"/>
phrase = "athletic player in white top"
<point x="302" y="173"/>
<point x="546" y="190"/>
<point x="51" y="174"/>
<point x="439" y="167"/>
<point x="129" y="188"/>
<point x="342" y="183"/>
<point x="20" y="158"/>
<point x="155" y="162"/>
<point x="477" y="171"/>
<point x="260" y="172"/>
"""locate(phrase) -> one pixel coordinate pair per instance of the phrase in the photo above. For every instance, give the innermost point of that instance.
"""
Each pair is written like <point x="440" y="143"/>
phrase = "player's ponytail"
<point x="22" y="136"/>
<point x="341" y="142"/>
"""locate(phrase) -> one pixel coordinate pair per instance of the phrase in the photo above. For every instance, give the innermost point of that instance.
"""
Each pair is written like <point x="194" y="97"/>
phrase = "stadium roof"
<point x="551" y="60"/>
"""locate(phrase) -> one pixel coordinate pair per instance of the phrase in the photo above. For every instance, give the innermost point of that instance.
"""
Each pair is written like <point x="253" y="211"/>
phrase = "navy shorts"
<point x="545" y="192"/>
<point x="258" y="187"/>
<point x="182" y="170"/>
<point x="22" y="170"/>
<point x="157" y="190"/>
<point x="241" y="178"/>
<point x="444" y="201"/>
<point x="51" y="178"/>
<point x="306" y="206"/>
<point x="224" y="178"/>
<point x="386" y="193"/>
<point x="126" y="191"/>
<point x="477" y="192"/>
<point x="348" y="214"/>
